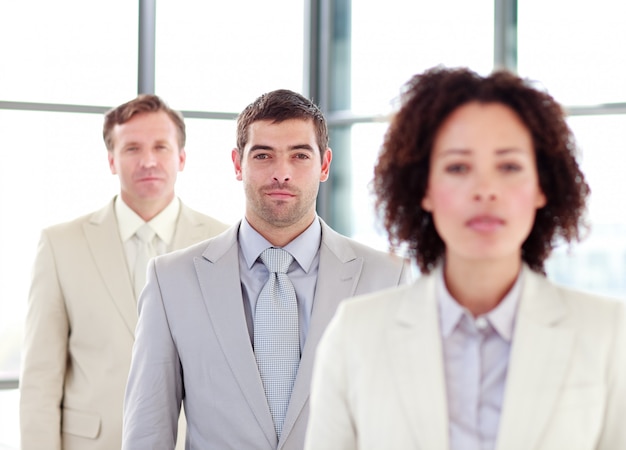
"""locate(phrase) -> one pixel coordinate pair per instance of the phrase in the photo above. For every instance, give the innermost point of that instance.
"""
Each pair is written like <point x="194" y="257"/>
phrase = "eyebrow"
<point x="139" y="142"/>
<point x="291" y="148"/>
<point x="507" y="150"/>
<point x="454" y="151"/>
<point x="465" y="151"/>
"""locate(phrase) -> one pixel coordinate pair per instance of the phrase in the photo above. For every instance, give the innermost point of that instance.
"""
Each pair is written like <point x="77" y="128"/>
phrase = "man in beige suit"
<point x="203" y="323"/>
<point x="82" y="306"/>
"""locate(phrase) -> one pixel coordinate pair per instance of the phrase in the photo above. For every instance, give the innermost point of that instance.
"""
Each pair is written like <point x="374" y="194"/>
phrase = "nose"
<point x="282" y="170"/>
<point x="485" y="190"/>
<point x="148" y="158"/>
<point x="479" y="196"/>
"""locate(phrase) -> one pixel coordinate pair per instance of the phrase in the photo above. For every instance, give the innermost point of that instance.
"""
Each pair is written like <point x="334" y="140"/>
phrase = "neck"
<point x="147" y="209"/>
<point x="480" y="286"/>
<point x="279" y="236"/>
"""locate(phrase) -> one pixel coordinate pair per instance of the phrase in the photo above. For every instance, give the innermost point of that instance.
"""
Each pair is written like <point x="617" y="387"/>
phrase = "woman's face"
<point x="483" y="189"/>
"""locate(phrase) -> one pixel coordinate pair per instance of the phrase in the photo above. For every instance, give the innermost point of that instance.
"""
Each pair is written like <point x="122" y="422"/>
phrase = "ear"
<point x="182" y="158"/>
<point x="541" y="200"/>
<point x="328" y="157"/>
<point x="427" y="204"/>
<point x="111" y="158"/>
<point x="236" y="163"/>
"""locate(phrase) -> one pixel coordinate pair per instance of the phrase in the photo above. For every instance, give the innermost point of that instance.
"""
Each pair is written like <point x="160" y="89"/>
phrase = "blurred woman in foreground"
<point x="478" y="178"/>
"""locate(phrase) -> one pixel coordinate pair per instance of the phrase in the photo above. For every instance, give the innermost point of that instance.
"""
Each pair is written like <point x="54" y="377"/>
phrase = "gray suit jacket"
<point x="193" y="343"/>
<point x="379" y="381"/>
<point x="80" y="331"/>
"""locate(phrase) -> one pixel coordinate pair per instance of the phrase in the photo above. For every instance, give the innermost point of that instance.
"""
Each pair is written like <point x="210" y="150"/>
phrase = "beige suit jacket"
<point x="379" y="378"/>
<point x="193" y="339"/>
<point x="80" y="330"/>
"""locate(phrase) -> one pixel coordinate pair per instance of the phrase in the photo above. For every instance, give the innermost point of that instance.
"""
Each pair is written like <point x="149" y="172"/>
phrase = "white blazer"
<point x="379" y="380"/>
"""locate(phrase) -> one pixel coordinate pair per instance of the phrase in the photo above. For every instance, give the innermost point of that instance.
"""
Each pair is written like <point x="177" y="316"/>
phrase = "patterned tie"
<point x="145" y="251"/>
<point x="276" y="334"/>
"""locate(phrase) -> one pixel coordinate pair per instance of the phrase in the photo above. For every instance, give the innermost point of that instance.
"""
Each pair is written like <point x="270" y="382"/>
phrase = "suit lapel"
<point x="218" y="275"/>
<point x="415" y="352"/>
<point x="539" y="359"/>
<point x="103" y="239"/>
<point x="339" y="272"/>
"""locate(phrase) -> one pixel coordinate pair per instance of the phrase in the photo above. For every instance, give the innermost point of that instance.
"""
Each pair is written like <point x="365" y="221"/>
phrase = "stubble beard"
<point x="280" y="213"/>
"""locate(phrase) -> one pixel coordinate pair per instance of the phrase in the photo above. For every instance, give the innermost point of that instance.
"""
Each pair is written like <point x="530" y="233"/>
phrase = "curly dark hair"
<point x="402" y="170"/>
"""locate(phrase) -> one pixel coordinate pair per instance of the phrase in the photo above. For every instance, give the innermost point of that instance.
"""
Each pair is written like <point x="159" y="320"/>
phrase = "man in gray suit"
<point x="199" y="314"/>
<point x="82" y="308"/>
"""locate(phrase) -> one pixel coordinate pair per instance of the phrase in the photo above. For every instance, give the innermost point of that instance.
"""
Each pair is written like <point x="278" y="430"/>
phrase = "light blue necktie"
<point x="276" y="334"/>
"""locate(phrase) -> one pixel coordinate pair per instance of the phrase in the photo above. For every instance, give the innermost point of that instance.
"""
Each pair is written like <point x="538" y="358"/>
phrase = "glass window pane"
<point x="366" y="140"/>
<point x="53" y="169"/>
<point x="208" y="182"/>
<point x="392" y="43"/>
<point x="602" y="140"/>
<point x="68" y="51"/>
<point x="220" y="57"/>
<point x="598" y="263"/>
<point x="574" y="48"/>
<point x="9" y="419"/>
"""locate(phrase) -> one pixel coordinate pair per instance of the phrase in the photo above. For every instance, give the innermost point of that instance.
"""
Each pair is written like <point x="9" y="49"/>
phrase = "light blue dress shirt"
<point x="302" y="272"/>
<point x="476" y="359"/>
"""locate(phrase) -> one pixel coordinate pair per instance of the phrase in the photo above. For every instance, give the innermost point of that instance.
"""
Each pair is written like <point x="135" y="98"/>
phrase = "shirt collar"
<point x="163" y="224"/>
<point x="303" y="248"/>
<point x="501" y="318"/>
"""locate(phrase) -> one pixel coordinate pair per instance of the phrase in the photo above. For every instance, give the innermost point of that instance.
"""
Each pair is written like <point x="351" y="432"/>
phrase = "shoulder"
<point x="71" y="228"/>
<point x="196" y="217"/>
<point x="210" y="249"/>
<point x="384" y="299"/>
<point x="345" y="247"/>
<point x="584" y="310"/>
<point x="591" y="307"/>
<point x="406" y="303"/>
<point x="367" y="318"/>
<point x="378" y="269"/>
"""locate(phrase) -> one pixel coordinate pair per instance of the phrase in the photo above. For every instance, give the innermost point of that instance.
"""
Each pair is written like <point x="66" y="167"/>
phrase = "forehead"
<point x="475" y="126"/>
<point x="157" y="125"/>
<point x="286" y="132"/>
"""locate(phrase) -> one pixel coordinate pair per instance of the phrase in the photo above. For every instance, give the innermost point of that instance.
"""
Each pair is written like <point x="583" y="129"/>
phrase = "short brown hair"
<point x="144" y="103"/>
<point x="401" y="173"/>
<point x="278" y="106"/>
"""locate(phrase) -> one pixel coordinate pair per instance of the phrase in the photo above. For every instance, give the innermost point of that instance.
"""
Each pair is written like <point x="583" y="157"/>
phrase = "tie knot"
<point x="145" y="233"/>
<point x="276" y="260"/>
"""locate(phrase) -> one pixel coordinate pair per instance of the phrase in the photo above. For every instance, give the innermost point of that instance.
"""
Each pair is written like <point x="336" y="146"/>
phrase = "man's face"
<point x="147" y="159"/>
<point x="281" y="169"/>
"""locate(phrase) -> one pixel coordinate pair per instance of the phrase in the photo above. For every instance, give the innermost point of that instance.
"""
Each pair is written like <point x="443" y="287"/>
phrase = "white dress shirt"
<point x="163" y="224"/>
